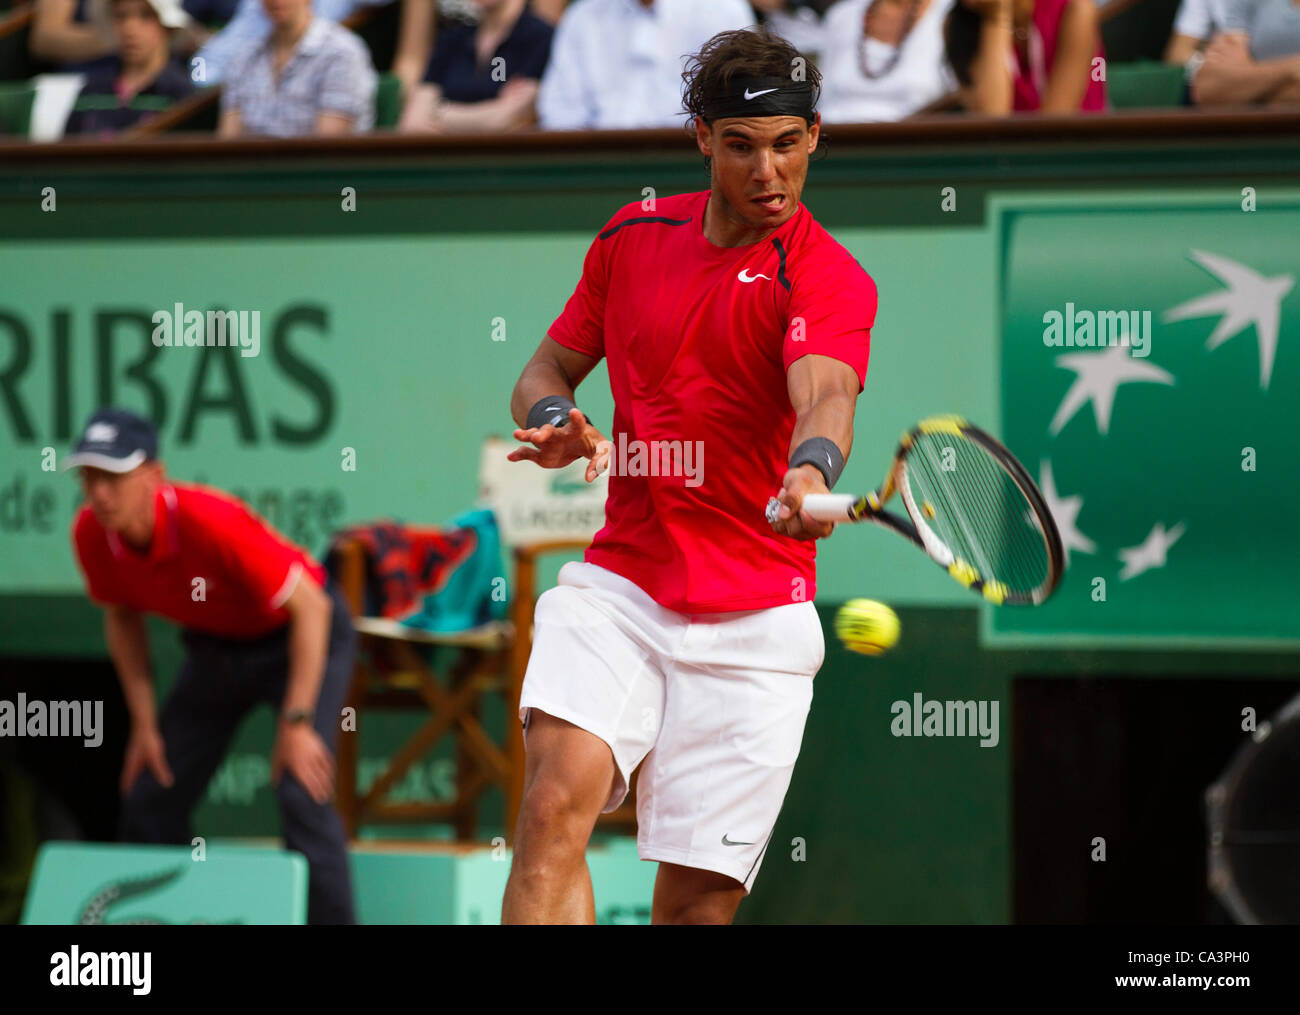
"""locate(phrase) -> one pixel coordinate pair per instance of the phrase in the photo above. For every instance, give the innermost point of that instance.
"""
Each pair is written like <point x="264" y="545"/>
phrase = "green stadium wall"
<point x="398" y="329"/>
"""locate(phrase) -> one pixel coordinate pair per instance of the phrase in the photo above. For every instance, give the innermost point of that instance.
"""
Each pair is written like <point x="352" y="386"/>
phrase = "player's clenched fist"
<point x="554" y="447"/>
<point x="790" y="520"/>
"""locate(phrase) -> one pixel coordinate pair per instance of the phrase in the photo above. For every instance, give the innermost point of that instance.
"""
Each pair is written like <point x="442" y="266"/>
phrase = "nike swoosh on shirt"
<point x="744" y="276"/>
<point x="753" y="95"/>
<point x="728" y="842"/>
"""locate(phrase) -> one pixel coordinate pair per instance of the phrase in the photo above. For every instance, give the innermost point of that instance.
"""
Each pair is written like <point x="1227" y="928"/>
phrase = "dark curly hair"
<point x="746" y="52"/>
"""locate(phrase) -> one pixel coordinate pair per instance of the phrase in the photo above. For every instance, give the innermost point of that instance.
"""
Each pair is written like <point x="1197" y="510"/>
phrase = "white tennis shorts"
<point x="715" y="704"/>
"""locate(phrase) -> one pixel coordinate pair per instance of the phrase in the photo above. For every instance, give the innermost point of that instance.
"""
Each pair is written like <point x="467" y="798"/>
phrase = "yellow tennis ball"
<point x="866" y="626"/>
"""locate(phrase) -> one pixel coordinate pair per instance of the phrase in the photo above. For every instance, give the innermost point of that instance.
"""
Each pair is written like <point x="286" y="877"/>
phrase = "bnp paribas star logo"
<point x="1244" y="300"/>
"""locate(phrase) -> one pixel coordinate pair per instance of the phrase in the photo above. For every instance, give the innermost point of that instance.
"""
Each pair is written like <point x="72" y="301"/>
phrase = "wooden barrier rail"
<point x="1189" y="125"/>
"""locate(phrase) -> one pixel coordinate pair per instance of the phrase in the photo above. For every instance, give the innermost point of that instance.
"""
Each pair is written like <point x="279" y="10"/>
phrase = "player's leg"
<point x="569" y="775"/>
<point x="316" y="829"/>
<point x="197" y="722"/>
<point x="690" y="895"/>
<point x="591" y="704"/>
<point x="712" y="789"/>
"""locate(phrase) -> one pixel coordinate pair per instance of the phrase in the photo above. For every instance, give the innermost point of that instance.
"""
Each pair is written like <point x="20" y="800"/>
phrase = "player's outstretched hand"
<point x="790" y="520"/>
<point x="554" y="447"/>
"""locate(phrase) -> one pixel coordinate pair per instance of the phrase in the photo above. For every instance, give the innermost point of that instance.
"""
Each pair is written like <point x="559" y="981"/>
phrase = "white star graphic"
<point x="1100" y="374"/>
<point x="1249" y="299"/>
<point x="1150" y="552"/>
<point x="1064" y="512"/>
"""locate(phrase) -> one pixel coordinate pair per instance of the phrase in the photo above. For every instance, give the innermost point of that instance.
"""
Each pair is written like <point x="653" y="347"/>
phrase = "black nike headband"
<point x="761" y="96"/>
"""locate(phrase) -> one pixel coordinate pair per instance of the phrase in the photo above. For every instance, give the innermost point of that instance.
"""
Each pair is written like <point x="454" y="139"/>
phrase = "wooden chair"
<point x="394" y="672"/>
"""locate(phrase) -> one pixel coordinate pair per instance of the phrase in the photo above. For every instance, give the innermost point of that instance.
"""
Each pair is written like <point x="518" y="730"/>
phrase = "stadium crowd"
<point x="295" y="67"/>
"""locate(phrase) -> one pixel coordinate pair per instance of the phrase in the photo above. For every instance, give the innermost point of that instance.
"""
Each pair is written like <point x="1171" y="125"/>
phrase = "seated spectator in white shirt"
<point x="215" y="60"/>
<point x="1195" y="24"/>
<point x="1255" y="59"/>
<point x="618" y="63"/>
<point x="310" y="76"/>
<point x="883" y="59"/>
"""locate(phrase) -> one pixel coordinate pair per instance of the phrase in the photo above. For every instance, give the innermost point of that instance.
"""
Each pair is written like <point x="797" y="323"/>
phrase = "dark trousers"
<point x="220" y="682"/>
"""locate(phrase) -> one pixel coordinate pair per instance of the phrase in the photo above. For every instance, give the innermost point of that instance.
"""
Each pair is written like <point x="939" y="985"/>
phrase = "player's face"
<point x="760" y="164"/>
<point x="120" y="500"/>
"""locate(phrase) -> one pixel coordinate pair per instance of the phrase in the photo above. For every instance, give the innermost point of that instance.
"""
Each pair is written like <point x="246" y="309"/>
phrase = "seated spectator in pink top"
<point x="1027" y="55"/>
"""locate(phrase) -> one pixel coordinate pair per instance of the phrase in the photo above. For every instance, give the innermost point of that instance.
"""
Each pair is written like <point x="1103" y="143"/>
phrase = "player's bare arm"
<point x="128" y="646"/>
<point x="298" y="747"/>
<point x="824" y="393"/>
<point x="555" y="372"/>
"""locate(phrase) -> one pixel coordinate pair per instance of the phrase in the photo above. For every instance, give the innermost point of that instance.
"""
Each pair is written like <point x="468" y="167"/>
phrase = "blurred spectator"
<point x="482" y="78"/>
<point x="251" y="26"/>
<point x="549" y="11"/>
<point x="1255" y="59"/>
<point x="72" y="33"/>
<point x="618" y="63"/>
<point x="1195" y="24"/>
<point x="1058" y="62"/>
<point x="415" y="38"/>
<point x="77" y="35"/>
<point x="211" y="12"/>
<point x="310" y="76"/>
<point x="883" y="59"/>
<point x="799" y="22"/>
<point x="143" y="80"/>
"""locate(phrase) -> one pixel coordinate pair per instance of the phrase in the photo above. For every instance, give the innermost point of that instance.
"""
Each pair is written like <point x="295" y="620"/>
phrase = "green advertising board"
<point x="228" y="883"/>
<point x="1150" y="373"/>
<point x="381" y="363"/>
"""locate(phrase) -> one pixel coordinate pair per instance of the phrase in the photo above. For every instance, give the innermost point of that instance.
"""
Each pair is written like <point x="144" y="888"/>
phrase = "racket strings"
<point x="971" y="503"/>
<point x="954" y="511"/>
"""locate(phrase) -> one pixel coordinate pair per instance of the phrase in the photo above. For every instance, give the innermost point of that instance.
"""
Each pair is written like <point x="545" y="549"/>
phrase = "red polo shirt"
<point x="698" y="340"/>
<point x="248" y="569"/>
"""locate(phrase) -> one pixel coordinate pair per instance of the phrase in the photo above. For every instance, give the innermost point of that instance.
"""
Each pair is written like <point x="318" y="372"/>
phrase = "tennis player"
<point x="736" y="334"/>
<point x="261" y="624"/>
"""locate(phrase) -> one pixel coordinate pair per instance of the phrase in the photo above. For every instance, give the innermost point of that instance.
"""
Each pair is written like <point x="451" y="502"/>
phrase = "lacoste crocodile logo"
<point x="116" y="892"/>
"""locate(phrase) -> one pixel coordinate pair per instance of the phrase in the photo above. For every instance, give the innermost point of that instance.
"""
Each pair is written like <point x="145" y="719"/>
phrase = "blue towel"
<point x="476" y="591"/>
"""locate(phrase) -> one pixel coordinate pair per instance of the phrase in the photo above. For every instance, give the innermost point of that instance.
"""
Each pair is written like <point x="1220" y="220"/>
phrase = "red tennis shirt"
<point x="698" y="339"/>
<point x="248" y="569"/>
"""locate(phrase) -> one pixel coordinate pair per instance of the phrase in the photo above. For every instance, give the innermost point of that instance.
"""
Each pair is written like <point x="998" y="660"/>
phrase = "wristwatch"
<point x="293" y="716"/>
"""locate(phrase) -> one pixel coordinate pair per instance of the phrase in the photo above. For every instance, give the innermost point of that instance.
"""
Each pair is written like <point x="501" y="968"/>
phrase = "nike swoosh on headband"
<point x="753" y="95"/>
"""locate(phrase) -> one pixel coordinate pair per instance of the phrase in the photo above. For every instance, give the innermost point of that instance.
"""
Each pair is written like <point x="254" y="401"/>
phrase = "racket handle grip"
<point x="828" y="507"/>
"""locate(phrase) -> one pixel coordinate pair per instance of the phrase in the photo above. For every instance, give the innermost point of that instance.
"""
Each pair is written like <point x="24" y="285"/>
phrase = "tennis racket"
<point x="970" y="506"/>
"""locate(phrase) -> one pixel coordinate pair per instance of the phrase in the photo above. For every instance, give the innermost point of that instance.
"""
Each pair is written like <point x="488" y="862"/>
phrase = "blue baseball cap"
<point x="114" y="440"/>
